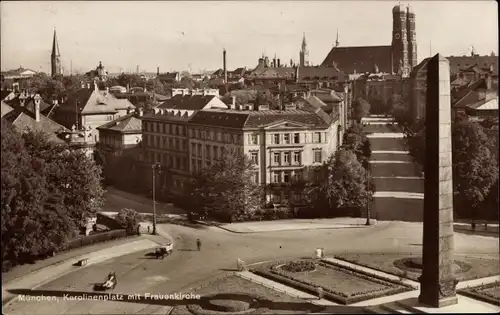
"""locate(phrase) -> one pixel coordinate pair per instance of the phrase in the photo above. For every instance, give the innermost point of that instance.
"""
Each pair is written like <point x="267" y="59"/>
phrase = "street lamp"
<point x="156" y="167"/>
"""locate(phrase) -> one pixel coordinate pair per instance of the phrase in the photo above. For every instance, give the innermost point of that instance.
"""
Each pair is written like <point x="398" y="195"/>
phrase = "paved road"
<point x="138" y="273"/>
<point x="399" y="186"/>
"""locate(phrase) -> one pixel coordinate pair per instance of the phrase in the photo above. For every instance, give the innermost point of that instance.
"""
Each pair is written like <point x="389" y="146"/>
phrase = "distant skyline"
<point x="179" y="35"/>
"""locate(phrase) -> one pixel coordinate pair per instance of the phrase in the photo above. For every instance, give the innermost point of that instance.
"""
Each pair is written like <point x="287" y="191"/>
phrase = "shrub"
<point x="299" y="266"/>
<point x="129" y="219"/>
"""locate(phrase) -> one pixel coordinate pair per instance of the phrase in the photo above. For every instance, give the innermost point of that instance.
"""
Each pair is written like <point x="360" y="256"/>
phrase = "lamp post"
<point x="155" y="168"/>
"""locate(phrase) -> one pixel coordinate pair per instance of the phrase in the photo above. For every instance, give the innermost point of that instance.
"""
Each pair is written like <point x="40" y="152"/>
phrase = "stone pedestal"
<point x="437" y="281"/>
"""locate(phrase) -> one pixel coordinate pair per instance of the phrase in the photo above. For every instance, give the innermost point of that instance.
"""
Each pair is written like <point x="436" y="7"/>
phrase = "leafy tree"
<point x="475" y="168"/>
<point x="34" y="221"/>
<point x="348" y="183"/>
<point x="156" y="86"/>
<point x="360" y="109"/>
<point x="225" y="189"/>
<point x="187" y="82"/>
<point x="356" y="141"/>
<point x="129" y="219"/>
<point x="131" y="80"/>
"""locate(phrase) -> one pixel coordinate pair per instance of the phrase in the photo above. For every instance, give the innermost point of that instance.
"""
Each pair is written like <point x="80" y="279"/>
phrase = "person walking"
<point x="198" y="244"/>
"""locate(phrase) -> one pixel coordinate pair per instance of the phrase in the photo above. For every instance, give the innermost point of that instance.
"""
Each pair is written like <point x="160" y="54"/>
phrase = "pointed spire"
<point x="337" y="40"/>
<point x="55" y="45"/>
<point x="304" y="44"/>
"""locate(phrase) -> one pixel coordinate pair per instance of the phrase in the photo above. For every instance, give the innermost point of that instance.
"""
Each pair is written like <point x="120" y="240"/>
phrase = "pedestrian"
<point x="198" y="244"/>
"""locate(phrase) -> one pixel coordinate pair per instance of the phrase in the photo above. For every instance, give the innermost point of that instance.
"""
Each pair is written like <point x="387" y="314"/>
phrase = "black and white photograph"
<point x="249" y="157"/>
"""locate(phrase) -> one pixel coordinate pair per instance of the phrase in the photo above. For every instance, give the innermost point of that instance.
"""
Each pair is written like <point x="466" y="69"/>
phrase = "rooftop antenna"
<point x="337" y="40"/>
<point x="71" y="68"/>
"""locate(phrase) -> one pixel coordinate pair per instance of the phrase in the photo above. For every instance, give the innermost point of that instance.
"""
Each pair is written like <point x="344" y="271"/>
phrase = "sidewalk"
<point x="49" y="273"/>
<point x="283" y="288"/>
<point x="296" y="224"/>
<point x="50" y="269"/>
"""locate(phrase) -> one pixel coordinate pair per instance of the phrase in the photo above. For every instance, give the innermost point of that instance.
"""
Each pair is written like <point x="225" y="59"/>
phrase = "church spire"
<point x="55" y="45"/>
<point x="304" y="53"/>
<point x="55" y="57"/>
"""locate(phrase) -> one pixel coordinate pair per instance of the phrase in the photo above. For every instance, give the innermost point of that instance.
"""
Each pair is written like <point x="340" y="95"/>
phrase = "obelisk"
<point x="437" y="283"/>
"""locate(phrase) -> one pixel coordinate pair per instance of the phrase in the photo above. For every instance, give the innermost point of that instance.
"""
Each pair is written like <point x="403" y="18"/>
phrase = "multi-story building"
<point x="186" y="91"/>
<point x="165" y="138"/>
<point x="90" y="108"/>
<point x="282" y="144"/>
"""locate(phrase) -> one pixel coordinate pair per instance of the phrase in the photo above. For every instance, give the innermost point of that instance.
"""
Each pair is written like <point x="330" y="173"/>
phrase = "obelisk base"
<point x="440" y="295"/>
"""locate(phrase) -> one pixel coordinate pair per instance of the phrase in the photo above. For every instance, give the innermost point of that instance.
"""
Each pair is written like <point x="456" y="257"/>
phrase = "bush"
<point x="299" y="266"/>
<point x="129" y="219"/>
<point x="96" y="238"/>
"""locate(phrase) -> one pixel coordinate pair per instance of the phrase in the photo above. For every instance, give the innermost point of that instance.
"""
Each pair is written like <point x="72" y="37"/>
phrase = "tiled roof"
<point x="321" y="73"/>
<point x="489" y="104"/>
<point x="262" y="118"/>
<point x="126" y="124"/>
<point x="91" y="101"/>
<point x="6" y="109"/>
<point x="458" y="63"/>
<point x="23" y="119"/>
<point x="4" y="94"/>
<point x="225" y="119"/>
<point x="188" y="102"/>
<point x="29" y="103"/>
<point x="360" y="59"/>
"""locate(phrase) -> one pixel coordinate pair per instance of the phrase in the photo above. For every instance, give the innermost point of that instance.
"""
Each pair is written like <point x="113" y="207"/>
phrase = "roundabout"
<point x="188" y="271"/>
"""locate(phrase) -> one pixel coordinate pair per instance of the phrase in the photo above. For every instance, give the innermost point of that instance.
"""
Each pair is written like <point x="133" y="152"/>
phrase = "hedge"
<point x="96" y="238"/>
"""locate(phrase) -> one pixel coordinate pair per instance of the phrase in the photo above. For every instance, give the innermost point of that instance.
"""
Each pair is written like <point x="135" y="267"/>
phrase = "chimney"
<point x="234" y="101"/>
<point x="158" y="70"/>
<point x="37" y="99"/>
<point x="141" y="112"/>
<point x="274" y="62"/>
<point x="297" y="74"/>
<point x="128" y="87"/>
<point x="88" y="85"/>
<point x="488" y="81"/>
<point x="145" y="89"/>
<point x="128" y="110"/>
<point x="224" y="65"/>
<point x="96" y="88"/>
<point x="107" y="89"/>
<point x="279" y="64"/>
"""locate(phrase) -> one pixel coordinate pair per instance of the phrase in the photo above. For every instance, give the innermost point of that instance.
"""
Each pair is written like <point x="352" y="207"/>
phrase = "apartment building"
<point x="166" y="139"/>
<point x="282" y="144"/>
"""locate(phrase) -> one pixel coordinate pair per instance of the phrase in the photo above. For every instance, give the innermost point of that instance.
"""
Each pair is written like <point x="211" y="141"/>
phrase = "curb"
<point x="354" y="226"/>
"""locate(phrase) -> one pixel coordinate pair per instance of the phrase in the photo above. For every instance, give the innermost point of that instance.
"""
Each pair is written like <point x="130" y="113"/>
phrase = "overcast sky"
<point x="182" y="35"/>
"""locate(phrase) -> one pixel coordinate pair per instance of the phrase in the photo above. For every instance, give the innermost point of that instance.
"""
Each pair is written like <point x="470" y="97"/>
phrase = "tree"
<point x="475" y="169"/>
<point x="225" y="189"/>
<point x="156" y="86"/>
<point x="356" y="141"/>
<point x="360" y="109"/>
<point x="34" y="221"/>
<point x="129" y="219"/>
<point x="131" y="80"/>
<point x="348" y="183"/>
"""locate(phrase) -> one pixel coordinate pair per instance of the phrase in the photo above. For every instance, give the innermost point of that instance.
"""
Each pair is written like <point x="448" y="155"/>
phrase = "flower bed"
<point x="299" y="266"/>
<point x="339" y="284"/>
<point x="489" y="293"/>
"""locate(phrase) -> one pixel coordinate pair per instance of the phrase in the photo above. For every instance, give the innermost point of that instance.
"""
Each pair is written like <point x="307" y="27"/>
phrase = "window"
<point x="317" y="137"/>
<point x="317" y="156"/>
<point x="171" y="143"/>
<point x="255" y="158"/>
<point x="296" y="138"/>
<point x="179" y="129"/>
<point x="286" y="177"/>
<point x="286" y="138"/>
<point x="255" y="178"/>
<point x="193" y="149"/>
<point x="296" y="157"/>
<point x="253" y="139"/>
<point x="167" y="128"/>
<point x="277" y="158"/>
<point x="276" y="139"/>
<point x="199" y="149"/>
<point x="207" y="152"/>
<point x="177" y="163"/>
<point x="297" y="175"/>
<point x="276" y="177"/>
<point x="286" y="158"/>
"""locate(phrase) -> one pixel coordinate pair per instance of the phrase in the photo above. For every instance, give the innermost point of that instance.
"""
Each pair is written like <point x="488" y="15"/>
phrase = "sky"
<point x="191" y="35"/>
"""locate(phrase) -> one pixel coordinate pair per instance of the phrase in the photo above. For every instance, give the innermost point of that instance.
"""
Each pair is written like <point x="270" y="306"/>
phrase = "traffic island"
<point x="235" y="295"/>
<point x="409" y="266"/>
<point x="489" y="293"/>
<point x="339" y="284"/>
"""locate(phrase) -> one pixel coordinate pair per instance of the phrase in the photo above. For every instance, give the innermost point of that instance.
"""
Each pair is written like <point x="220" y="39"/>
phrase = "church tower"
<point x="400" y="57"/>
<point x="304" y="53"/>
<point x="55" y="57"/>
<point x="412" y="38"/>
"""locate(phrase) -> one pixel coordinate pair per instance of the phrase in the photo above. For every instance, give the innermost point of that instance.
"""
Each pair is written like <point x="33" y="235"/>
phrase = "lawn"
<point x="488" y="292"/>
<point x="277" y="302"/>
<point x="480" y="267"/>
